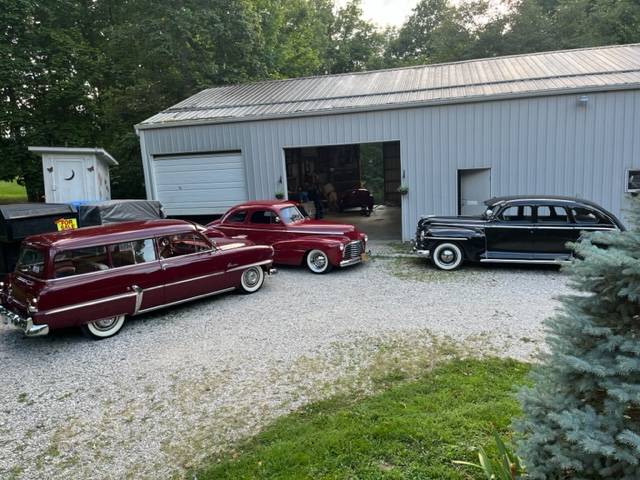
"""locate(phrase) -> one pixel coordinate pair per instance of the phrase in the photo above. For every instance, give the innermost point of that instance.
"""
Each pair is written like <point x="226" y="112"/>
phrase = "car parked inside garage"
<point x="516" y="229"/>
<point x="295" y="238"/>
<point x="94" y="277"/>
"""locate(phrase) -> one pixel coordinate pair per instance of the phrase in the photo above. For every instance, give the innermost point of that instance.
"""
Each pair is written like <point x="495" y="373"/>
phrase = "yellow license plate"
<point x="364" y="257"/>
<point x="66" y="224"/>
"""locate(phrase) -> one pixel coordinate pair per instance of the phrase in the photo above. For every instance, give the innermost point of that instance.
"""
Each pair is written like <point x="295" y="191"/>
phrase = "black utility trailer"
<point x="19" y="220"/>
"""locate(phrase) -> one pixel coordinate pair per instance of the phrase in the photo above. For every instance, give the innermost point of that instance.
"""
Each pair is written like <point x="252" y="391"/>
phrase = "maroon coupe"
<point x="93" y="277"/>
<point x="296" y="239"/>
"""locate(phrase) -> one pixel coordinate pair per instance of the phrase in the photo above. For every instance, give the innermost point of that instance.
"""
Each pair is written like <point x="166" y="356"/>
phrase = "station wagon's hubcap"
<point x="105" y="324"/>
<point x="251" y="278"/>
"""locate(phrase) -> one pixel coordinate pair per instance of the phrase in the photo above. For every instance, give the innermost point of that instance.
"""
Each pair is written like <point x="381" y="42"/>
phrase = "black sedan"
<point x="518" y="229"/>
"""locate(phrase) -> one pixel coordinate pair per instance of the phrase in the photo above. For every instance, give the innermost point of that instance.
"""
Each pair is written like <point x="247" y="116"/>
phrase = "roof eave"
<point x="393" y="106"/>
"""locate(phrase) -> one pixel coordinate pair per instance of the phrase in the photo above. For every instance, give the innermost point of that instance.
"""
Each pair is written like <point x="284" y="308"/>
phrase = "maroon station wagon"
<point x="296" y="239"/>
<point x="93" y="277"/>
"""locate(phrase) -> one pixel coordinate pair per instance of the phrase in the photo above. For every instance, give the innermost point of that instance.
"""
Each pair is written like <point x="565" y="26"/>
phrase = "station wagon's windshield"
<point x="31" y="262"/>
<point x="290" y="215"/>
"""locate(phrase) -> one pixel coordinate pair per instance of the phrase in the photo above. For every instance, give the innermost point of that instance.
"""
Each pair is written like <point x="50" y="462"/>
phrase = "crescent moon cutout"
<point x="73" y="174"/>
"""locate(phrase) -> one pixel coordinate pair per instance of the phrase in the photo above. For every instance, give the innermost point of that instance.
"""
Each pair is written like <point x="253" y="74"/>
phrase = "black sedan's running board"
<point x="524" y="260"/>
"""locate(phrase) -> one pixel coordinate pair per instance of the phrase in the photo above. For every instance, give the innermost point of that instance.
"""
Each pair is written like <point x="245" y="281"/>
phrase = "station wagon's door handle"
<point x="163" y="266"/>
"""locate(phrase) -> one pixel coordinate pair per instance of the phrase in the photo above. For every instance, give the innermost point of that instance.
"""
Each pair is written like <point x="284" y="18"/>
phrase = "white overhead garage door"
<point x="200" y="184"/>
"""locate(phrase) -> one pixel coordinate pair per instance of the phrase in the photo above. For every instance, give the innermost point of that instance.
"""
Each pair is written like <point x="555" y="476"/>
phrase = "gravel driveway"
<point x="175" y="385"/>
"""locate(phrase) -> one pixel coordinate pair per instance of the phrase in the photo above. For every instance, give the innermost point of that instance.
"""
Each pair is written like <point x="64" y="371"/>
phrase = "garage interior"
<point x="344" y="175"/>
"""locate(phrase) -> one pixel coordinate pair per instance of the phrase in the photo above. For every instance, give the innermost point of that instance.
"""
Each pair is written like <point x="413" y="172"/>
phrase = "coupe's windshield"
<point x="290" y="215"/>
<point x="31" y="262"/>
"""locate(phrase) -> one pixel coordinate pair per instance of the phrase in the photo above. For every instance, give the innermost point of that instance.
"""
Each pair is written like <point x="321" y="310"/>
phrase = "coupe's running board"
<point x="523" y="260"/>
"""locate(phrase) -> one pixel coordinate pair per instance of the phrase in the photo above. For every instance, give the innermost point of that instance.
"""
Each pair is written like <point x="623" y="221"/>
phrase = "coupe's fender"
<point x="292" y="252"/>
<point x="471" y="240"/>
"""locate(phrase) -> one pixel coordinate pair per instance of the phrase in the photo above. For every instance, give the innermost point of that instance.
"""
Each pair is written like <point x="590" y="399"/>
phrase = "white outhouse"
<point x="75" y="174"/>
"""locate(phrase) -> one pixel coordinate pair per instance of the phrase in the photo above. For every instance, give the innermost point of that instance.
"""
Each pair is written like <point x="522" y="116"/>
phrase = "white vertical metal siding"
<point x="537" y="145"/>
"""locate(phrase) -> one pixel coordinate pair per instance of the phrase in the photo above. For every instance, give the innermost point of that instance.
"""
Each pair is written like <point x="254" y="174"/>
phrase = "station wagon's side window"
<point x="517" y="213"/>
<point x="585" y="216"/>
<point x="132" y="253"/>
<point x="264" y="217"/>
<point x="31" y="262"/>
<point x="182" y="244"/>
<point x="552" y="214"/>
<point x="80" y="260"/>
<point x="237" y="217"/>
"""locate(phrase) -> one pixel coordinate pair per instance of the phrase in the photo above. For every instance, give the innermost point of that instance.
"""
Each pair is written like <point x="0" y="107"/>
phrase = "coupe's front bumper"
<point x="24" y="324"/>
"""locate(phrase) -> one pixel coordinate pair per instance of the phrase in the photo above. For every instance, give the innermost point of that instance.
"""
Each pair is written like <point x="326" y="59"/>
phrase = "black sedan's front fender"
<point x="471" y="241"/>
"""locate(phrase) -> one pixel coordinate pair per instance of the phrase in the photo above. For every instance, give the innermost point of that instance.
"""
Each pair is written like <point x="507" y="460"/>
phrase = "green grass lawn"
<point x="11" y="192"/>
<point x="412" y="430"/>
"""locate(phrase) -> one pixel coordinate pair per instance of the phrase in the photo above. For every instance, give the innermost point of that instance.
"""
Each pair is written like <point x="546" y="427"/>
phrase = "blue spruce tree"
<point x="582" y="413"/>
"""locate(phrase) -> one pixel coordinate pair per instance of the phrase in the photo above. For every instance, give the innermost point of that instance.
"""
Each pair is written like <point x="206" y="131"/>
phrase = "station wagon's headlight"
<point x="341" y="247"/>
<point x="366" y="238"/>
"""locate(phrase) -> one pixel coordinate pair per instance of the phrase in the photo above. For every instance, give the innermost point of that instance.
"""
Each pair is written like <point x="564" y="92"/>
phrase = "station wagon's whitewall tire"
<point x="447" y="256"/>
<point x="318" y="261"/>
<point x="252" y="279"/>
<point x="104" y="328"/>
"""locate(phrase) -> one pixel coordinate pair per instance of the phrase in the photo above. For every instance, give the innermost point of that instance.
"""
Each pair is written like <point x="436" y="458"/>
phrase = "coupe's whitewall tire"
<point x="447" y="256"/>
<point x="318" y="261"/>
<point x="104" y="328"/>
<point x="252" y="279"/>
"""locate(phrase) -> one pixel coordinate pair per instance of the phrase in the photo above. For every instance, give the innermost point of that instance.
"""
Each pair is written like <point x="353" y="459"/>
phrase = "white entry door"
<point x="206" y="184"/>
<point x="69" y="182"/>
<point x="474" y="188"/>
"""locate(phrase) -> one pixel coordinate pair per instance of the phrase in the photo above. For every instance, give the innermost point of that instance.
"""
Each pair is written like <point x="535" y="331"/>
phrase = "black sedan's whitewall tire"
<point x="447" y="256"/>
<point x="318" y="261"/>
<point x="252" y="279"/>
<point x="105" y="328"/>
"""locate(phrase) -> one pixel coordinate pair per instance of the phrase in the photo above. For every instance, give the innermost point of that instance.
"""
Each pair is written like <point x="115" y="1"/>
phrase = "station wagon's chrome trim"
<point x="283" y="230"/>
<point x="242" y="267"/>
<point x="192" y="279"/>
<point x="157" y="307"/>
<point x="139" y="293"/>
<point x="112" y="298"/>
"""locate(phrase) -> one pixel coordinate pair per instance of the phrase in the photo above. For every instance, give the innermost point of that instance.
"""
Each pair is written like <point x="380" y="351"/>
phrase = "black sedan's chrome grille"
<point x="352" y="250"/>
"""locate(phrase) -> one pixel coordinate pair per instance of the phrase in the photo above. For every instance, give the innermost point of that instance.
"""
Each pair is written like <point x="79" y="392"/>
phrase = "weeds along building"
<point x="564" y="122"/>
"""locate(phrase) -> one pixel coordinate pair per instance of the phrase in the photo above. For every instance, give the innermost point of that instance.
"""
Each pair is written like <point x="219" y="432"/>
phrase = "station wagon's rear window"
<point x="80" y="260"/>
<point x="31" y="262"/>
<point x="132" y="253"/>
<point x="586" y="216"/>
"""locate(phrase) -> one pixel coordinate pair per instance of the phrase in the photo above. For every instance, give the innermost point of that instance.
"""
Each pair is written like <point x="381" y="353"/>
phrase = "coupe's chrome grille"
<point x="352" y="250"/>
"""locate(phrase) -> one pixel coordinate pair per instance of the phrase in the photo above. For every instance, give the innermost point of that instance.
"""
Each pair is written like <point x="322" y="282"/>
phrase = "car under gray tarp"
<point x="115" y="211"/>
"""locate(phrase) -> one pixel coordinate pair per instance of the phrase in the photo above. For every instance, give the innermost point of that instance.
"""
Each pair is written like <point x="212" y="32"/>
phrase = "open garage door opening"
<point x="355" y="183"/>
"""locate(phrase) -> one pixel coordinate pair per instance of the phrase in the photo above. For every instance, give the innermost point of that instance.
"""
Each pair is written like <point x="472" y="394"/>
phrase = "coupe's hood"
<point x="231" y="243"/>
<point x="320" y="226"/>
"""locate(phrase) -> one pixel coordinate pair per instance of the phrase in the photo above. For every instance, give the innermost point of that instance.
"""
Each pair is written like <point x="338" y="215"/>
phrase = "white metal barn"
<point x="565" y="122"/>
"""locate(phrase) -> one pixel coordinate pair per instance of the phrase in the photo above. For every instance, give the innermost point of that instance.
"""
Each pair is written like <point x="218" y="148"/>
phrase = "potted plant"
<point x="279" y="195"/>
<point x="403" y="190"/>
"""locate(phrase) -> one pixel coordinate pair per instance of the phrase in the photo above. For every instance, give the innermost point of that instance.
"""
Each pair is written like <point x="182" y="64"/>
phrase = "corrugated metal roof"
<point x="598" y="68"/>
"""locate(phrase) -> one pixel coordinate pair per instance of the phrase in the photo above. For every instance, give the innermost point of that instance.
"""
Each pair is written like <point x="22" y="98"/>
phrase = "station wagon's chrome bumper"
<point x="24" y="324"/>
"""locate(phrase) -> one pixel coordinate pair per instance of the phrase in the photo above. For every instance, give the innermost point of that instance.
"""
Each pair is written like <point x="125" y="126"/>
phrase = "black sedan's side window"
<point x="586" y="216"/>
<point x="517" y="214"/>
<point x="552" y="214"/>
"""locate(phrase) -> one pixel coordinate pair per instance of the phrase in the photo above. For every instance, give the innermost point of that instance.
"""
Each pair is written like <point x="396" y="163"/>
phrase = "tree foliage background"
<point x="84" y="72"/>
